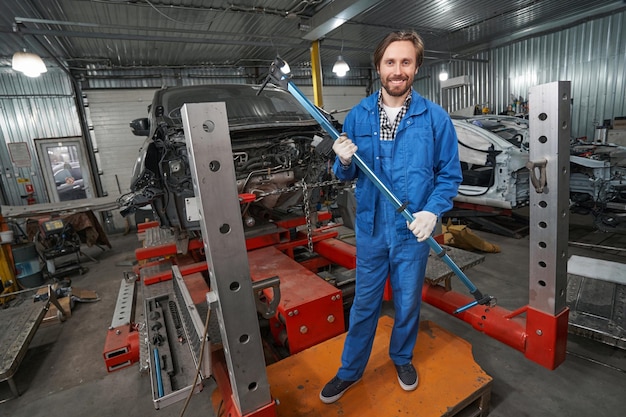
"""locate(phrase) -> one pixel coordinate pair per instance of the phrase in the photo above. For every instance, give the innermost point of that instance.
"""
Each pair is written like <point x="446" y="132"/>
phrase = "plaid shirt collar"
<point x="388" y="129"/>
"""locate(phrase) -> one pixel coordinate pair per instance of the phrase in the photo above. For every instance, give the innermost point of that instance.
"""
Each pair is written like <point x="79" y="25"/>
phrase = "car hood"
<point x="247" y="108"/>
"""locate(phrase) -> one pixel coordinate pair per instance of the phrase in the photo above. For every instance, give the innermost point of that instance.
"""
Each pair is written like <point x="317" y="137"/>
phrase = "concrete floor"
<point x="64" y="374"/>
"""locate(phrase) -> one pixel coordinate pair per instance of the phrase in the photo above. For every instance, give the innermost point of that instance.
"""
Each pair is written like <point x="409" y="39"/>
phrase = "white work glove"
<point x="344" y="149"/>
<point x="423" y="225"/>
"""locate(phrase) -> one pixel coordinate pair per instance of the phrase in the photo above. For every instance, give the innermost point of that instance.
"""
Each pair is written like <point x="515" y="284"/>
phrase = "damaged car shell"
<point x="493" y="151"/>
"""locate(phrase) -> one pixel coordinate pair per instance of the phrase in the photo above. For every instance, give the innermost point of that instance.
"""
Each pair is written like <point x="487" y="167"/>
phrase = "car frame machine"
<point x="247" y="278"/>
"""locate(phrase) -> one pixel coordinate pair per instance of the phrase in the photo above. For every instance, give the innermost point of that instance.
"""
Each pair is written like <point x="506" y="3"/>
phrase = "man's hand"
<point x="423" y="225"/>
<point x="344" y="149"/>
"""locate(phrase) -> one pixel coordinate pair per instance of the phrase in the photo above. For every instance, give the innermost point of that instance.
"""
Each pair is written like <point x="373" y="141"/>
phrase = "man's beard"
<point x="397" y="91"/>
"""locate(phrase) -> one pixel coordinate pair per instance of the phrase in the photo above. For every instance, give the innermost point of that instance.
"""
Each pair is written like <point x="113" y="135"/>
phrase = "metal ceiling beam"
<point x="548" y="27"/>
<point x="20" y="21"/>
<point x="336" y="14"/>
<point x="156" y="38"/>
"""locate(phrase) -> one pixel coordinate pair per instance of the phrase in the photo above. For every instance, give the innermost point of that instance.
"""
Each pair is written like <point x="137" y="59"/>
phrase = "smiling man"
<point x="411" y="145"/>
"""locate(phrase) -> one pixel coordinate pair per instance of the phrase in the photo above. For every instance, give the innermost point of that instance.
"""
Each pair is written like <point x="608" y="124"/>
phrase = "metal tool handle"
<point x="326" y="124"/>
<point x="283" y="79"/>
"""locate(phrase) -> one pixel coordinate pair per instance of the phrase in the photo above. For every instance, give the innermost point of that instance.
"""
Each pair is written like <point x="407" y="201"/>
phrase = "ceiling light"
<point x="28" y="63"/>
<point x="341" y="67"/>
<point x="443" y="75"/>
<point x="285" y="68"/>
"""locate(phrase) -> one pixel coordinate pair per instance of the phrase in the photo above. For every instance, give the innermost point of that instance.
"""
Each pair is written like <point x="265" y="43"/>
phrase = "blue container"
<point x="27" y="266"/>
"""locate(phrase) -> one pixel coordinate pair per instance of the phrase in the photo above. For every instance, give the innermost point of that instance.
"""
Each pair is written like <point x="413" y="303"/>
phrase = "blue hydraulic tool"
<point x="280" y="75"/>
<point x="157" y="367"/>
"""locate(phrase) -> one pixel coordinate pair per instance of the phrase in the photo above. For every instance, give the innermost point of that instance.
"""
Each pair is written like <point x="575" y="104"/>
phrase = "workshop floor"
<point x="64" y="374"/>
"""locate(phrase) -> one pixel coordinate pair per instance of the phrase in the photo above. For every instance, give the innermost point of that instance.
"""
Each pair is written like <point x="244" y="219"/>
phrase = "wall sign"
<point x="20" y="154"/>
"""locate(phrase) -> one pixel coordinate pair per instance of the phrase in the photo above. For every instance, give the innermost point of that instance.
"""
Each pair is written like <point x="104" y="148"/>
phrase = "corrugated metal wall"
<point x="110" y="112"/>
<point x="32" y="109"/>
<point x="591" y="55"/>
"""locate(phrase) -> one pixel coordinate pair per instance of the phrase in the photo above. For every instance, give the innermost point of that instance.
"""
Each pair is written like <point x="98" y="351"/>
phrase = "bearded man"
<point x="411" y="146"/>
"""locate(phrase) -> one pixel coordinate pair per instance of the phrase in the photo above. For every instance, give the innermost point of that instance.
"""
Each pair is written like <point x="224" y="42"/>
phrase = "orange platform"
<point x="450" y="382"/>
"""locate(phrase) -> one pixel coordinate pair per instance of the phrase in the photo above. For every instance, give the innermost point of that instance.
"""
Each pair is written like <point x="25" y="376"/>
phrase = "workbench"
<point x="18" y="325"/>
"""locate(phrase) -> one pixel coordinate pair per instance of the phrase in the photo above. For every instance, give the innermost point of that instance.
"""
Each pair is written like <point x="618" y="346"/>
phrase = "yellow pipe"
<point x="7" y="276"/>
<point x="316" y="74"/>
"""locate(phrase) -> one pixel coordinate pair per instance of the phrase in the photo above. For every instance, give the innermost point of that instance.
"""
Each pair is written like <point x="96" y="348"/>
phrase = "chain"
<point x="307" y="216"/>
<point x="305" y="202"/>
<point x="298" y="186"/>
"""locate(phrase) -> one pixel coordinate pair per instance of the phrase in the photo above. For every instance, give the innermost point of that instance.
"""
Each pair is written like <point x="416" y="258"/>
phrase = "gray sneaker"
<point x="334" y="389"/>
<point x="407" y="376"/>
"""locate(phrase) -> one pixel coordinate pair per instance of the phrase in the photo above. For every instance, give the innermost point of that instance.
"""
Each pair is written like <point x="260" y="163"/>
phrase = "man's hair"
<point x="400" y="36"/>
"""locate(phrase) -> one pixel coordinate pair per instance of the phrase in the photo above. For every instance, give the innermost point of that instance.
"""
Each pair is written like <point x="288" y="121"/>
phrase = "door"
<point x="65" y="168"/>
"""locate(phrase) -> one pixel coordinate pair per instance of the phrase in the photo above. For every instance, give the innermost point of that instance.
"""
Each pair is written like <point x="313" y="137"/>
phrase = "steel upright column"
<point x="547" y="314"/>
<point x="316" y="74"/>
<point x="211" y="162"/>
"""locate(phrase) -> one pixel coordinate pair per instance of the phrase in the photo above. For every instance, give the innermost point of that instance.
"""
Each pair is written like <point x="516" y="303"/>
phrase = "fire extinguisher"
<point x="30" y="194"/>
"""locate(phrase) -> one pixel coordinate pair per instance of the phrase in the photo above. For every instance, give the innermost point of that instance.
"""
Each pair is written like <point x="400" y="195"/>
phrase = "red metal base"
<point x="540" y="336"/>
<point x="142" y="227"/>
<point x="166" y="275"/>
<point x="166" y="250"/>
<point x="223" y="400"/>
<point x="121" y="348"/>
<point x="483" y="208"/>
<point x="495" y="322"/>
<point x="547" y="337"/>
<point x="337" y="252"/>
<point x="310" y="310"/>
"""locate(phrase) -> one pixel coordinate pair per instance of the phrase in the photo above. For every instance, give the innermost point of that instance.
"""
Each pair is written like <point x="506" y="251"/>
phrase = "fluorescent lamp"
<point x="341" y="67"/>
<point x="28" y="63"/>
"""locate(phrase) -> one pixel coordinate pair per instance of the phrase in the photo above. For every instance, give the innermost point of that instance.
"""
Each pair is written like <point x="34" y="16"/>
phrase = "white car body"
<point x="493" y="151"/>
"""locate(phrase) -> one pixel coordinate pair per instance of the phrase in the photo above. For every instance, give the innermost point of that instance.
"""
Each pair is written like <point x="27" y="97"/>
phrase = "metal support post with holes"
<point x="542" y="334"/>
<point x="549" y="221"/>
<point x="121" y="347"/>
<point x="210" y="159"/>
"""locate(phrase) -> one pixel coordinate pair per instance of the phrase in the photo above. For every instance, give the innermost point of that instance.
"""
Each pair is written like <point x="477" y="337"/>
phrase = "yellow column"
<point x="7" y="274"/>
<point x="316" y="74"/>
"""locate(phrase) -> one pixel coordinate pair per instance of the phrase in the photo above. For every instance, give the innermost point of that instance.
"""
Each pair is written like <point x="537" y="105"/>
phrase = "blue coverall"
<point x="420" y="166"/>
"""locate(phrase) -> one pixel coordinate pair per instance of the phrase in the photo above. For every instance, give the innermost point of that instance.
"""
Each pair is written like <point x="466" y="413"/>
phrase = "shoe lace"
<point x="405" y="368"/>
<point x="339" y="383"/>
